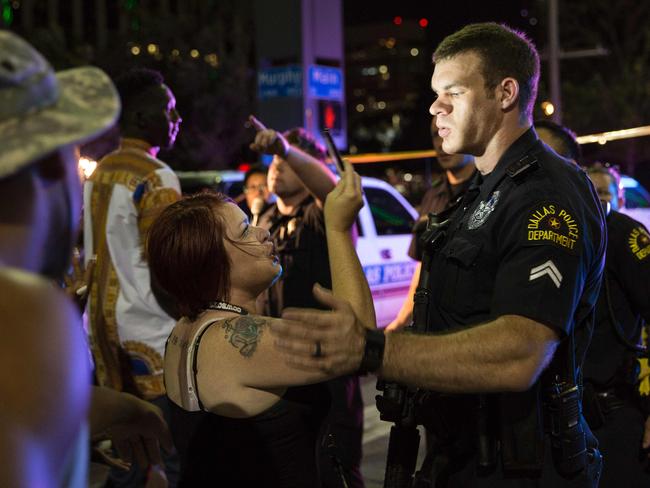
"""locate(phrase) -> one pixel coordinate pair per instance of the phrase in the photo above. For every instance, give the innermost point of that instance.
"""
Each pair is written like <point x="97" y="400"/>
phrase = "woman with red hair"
<point x="241" y="415"/>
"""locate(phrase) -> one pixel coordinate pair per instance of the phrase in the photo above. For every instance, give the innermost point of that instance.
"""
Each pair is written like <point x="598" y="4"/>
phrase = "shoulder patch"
<point x="551" y="223"/>
<point x="639" y="243"/>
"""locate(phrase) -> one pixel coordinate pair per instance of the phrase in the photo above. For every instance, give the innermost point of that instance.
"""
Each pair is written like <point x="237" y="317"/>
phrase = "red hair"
<point x="186" y="253"/>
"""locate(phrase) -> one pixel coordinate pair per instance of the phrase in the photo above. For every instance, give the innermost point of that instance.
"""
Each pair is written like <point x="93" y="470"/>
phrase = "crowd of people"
<point x="223" y="345"/>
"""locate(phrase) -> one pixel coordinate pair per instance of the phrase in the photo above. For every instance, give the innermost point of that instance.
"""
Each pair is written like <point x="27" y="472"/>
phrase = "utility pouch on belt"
<point x="522" y="432"/>
<point x="563" y="409"/>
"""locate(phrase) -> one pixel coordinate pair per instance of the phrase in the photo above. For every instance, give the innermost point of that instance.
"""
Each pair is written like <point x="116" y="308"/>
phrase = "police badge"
<point x="482" y="212"/>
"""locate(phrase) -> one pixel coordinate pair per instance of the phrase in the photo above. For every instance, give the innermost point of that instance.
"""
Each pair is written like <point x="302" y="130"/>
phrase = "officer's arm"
<point x="507" y="354"/>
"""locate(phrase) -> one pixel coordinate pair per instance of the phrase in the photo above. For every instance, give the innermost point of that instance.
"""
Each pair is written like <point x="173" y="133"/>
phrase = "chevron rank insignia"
<point x="547" y="269"/>
<point x="550" y="223"/>
<point x="639" y="242"/>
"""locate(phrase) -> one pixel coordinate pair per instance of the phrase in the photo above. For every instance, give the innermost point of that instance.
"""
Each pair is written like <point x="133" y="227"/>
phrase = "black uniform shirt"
<point x="627" y="276"/>
<point x="438" y="198"/>
<point x="528" y="239"/>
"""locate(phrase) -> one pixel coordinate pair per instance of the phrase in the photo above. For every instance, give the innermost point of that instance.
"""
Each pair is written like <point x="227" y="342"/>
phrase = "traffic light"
<point x="330" y="116"/>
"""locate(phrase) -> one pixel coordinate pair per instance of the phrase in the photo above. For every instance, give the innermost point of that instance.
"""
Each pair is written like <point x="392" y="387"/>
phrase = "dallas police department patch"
<point x="639" y="242"/>
<point x="483" y="211"/>
<point x="550" y="223"/>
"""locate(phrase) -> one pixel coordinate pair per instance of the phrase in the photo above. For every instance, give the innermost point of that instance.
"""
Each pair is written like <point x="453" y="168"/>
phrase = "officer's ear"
<point x="508" y="93"/>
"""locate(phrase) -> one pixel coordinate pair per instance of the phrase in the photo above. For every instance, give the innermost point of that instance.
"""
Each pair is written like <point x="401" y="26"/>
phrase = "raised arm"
<point x="348" y="280"/>
<point x="316" y="177"/>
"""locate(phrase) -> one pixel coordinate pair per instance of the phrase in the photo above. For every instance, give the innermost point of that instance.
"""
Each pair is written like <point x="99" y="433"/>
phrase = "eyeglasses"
<point x="261" y="187"/>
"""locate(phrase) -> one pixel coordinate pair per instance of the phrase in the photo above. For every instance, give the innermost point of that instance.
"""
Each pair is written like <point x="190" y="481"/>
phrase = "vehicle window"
<point x="389" y="215"/>
<point x="635" y="199"/>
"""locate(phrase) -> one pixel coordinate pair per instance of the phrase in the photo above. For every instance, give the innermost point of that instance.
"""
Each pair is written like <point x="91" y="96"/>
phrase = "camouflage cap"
<point x="41" y="110"/>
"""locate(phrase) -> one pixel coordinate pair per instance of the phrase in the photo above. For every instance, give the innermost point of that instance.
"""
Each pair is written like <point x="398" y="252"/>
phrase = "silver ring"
<point x="318" y="353"/>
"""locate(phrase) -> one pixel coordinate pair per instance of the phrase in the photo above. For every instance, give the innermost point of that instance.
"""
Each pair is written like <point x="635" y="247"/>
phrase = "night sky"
<point x="446" y="17"/>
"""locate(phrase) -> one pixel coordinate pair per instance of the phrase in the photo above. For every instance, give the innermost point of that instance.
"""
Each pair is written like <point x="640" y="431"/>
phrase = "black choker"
<point x="228" y="307"/>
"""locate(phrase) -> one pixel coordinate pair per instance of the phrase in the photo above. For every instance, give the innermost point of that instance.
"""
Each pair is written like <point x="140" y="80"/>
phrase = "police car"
<point x="384" y="224"/>
<point x="637" y="200"/>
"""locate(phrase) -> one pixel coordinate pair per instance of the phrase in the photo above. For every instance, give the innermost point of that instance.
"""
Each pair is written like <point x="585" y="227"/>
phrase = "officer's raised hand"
<point x="268" y="141"/>
<point x="331" y="341"/>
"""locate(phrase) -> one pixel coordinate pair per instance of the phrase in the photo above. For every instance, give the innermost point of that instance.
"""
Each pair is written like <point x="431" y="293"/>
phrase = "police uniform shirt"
<point x="528" y="239"/>
<point x="438" y="198"/>
<point x="627" y="277"/>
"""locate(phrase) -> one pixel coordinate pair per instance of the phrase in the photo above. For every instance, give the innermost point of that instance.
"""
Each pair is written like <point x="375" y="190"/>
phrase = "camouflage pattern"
<point x="41" y="110"/>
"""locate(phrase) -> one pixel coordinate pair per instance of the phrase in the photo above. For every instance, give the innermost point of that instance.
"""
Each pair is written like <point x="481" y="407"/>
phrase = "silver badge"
<point x="482" y="212"/>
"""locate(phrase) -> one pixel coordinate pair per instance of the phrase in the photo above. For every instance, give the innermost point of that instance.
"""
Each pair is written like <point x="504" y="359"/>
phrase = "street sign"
<point x="325" y="82"/>
<point x="281" y="81"/>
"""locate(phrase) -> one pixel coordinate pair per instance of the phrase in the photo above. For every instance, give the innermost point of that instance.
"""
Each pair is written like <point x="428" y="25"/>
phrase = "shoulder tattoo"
<point x="244" y="333"/>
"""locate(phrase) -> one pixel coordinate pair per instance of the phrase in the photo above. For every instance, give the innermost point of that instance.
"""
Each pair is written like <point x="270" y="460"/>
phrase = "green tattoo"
<point x="244" y="333"/>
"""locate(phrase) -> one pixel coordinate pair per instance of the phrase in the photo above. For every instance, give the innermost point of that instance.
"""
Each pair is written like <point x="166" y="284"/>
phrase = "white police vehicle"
<point x="384" y="224"/>
<point x="637" y="200"/>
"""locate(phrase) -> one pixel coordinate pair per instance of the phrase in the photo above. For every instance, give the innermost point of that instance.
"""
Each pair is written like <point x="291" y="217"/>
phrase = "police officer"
<point x="514" y="283"/>
<point x="613" y="407"/>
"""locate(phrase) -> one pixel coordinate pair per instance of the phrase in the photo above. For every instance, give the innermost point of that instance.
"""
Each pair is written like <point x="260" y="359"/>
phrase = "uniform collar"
<point x="514" y="153"/>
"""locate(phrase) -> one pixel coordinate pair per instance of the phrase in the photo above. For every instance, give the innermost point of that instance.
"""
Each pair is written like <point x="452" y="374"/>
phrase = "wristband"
<point x="373" y="353"/>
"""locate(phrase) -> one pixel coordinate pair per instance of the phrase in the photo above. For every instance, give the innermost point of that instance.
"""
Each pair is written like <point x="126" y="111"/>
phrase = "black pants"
<point x="624" y="465"/>
<point x="345" y="423"/>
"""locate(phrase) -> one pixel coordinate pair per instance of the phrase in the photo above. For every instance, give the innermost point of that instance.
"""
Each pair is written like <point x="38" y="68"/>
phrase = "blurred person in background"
<point x="301" y="181"/>
<point x="127" y="191"/>
<point x="256" y="192"/>
<point x="613" y="406"/>
<point x="618" y="414"/>
<point x="559" y="138"/>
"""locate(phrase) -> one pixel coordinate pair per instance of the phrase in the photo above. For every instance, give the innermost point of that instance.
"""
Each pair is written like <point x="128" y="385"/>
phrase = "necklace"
<point x="228" y="307"/>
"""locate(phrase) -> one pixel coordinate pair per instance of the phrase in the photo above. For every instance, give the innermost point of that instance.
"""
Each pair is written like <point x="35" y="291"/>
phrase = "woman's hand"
<point x="344" y="201"/>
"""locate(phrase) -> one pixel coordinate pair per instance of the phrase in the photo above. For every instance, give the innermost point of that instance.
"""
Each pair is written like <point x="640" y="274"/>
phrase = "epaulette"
<point x="519" y="169"/>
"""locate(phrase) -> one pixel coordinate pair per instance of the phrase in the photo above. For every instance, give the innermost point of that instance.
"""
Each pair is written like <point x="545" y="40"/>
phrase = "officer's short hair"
<point x="504" y="52"/>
